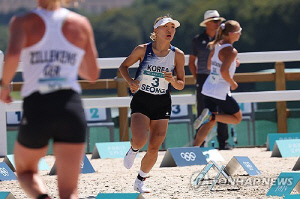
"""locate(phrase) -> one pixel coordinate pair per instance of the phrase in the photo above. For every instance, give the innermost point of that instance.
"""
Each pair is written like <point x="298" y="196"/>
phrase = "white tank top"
<point x="51" y="64"/>
<point x="150" y="71"/>
<point x="215" y="86"/>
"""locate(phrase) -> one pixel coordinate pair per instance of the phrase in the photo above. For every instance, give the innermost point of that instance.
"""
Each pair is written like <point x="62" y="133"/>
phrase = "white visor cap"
<point x="164" y="21"/>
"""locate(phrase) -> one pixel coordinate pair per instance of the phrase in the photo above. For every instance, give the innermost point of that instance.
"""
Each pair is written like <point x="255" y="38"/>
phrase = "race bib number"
<point x="51" y="80"/>
<point x="48" y="85"/>
<point x="214" y="78"/>
<point x="154" y="83"/>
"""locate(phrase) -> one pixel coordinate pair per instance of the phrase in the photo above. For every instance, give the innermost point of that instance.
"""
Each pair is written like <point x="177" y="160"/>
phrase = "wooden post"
<point x="281" y="106"/>
<point x="123" y="112"/>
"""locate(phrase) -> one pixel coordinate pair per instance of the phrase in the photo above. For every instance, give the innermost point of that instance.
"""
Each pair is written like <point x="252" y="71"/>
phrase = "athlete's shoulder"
<point x="179" y="52"/>
<point x="78" y="19"/>
<point x="141" y="48"/>
<point x="235" y="51"/>
<point x="139" y="51"/>
<point x="23" y="21"/>
<point x="21" y="17"/>
<point x="229" y="52"/>
<point x="179" y="56"/>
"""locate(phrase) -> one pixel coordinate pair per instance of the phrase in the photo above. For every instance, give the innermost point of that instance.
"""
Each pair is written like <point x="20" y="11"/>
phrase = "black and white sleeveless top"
<point x="150" y="71"/>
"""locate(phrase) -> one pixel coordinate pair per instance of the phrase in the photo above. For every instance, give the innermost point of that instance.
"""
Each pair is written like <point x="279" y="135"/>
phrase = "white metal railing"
<point x="110" y="63"/>
<point x="117" y="102"/>
<point x="244" y="58"/>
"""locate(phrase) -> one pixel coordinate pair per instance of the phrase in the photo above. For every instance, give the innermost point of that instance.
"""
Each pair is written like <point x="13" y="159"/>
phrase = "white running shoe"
<point x="140" y="186"/>
<point x="129" y="158"/>
<point x="202" y="119"/>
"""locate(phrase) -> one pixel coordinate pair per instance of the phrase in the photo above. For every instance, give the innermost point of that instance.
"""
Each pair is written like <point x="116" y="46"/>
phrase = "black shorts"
<point x="155" y="107"/>
<point x="57" y="115"/>
<point x="228" y="106"/>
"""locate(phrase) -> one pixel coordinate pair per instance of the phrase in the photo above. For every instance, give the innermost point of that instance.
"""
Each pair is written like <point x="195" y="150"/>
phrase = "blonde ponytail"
<point x="223" y="30"/>
<point x="153" y="36"/>
<point x="219" y="37"/>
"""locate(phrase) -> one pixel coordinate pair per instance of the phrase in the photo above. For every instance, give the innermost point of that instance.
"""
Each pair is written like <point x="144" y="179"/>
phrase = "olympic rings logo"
<point x="81" y="164"/>
<point x="4" y="172"/>
<point x="248" y="165"/>
<point x="188" y="156"/>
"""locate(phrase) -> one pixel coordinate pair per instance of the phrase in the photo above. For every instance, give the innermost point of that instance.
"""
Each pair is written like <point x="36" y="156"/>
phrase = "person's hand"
<point x="5" y="95"/>
<point x="169" y="76"/>
<point x="234" y="86"/>
<point x="237" y="62"/>
<point x="134" y="85"/>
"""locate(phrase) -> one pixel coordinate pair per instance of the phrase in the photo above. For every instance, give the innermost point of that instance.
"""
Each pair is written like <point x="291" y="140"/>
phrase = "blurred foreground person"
<point x="55" y="45"/>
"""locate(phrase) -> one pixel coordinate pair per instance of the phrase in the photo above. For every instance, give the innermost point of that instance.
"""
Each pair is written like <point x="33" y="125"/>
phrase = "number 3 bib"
<point x="154" y="83"/>
<point x="214" y="78"/>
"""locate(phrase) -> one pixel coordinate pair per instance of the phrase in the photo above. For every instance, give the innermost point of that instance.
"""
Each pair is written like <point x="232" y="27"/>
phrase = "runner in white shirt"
<point x="222" y="63"/>
<point x="55" y="45"/>
<point x="151" y="103"/>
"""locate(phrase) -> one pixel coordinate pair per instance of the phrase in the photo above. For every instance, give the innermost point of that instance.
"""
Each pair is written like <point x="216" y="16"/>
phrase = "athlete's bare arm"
<point x="227" y="55"/>
<point x="77" y="29"/>
<point x="179" y="81"/>
<point x="136" y="55"/>
<point x="15" y="44"/>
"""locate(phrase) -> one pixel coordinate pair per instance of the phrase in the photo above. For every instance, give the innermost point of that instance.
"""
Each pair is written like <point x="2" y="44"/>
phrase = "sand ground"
<point x="170" y="182"/>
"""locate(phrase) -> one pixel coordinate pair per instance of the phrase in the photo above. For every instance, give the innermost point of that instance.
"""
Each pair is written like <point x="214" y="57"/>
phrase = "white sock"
<point x="135" y="150"/>
<point x="143" y="174"/>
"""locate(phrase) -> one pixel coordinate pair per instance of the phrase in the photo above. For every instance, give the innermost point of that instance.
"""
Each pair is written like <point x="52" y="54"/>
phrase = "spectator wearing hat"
<point x="200" y="51"/>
